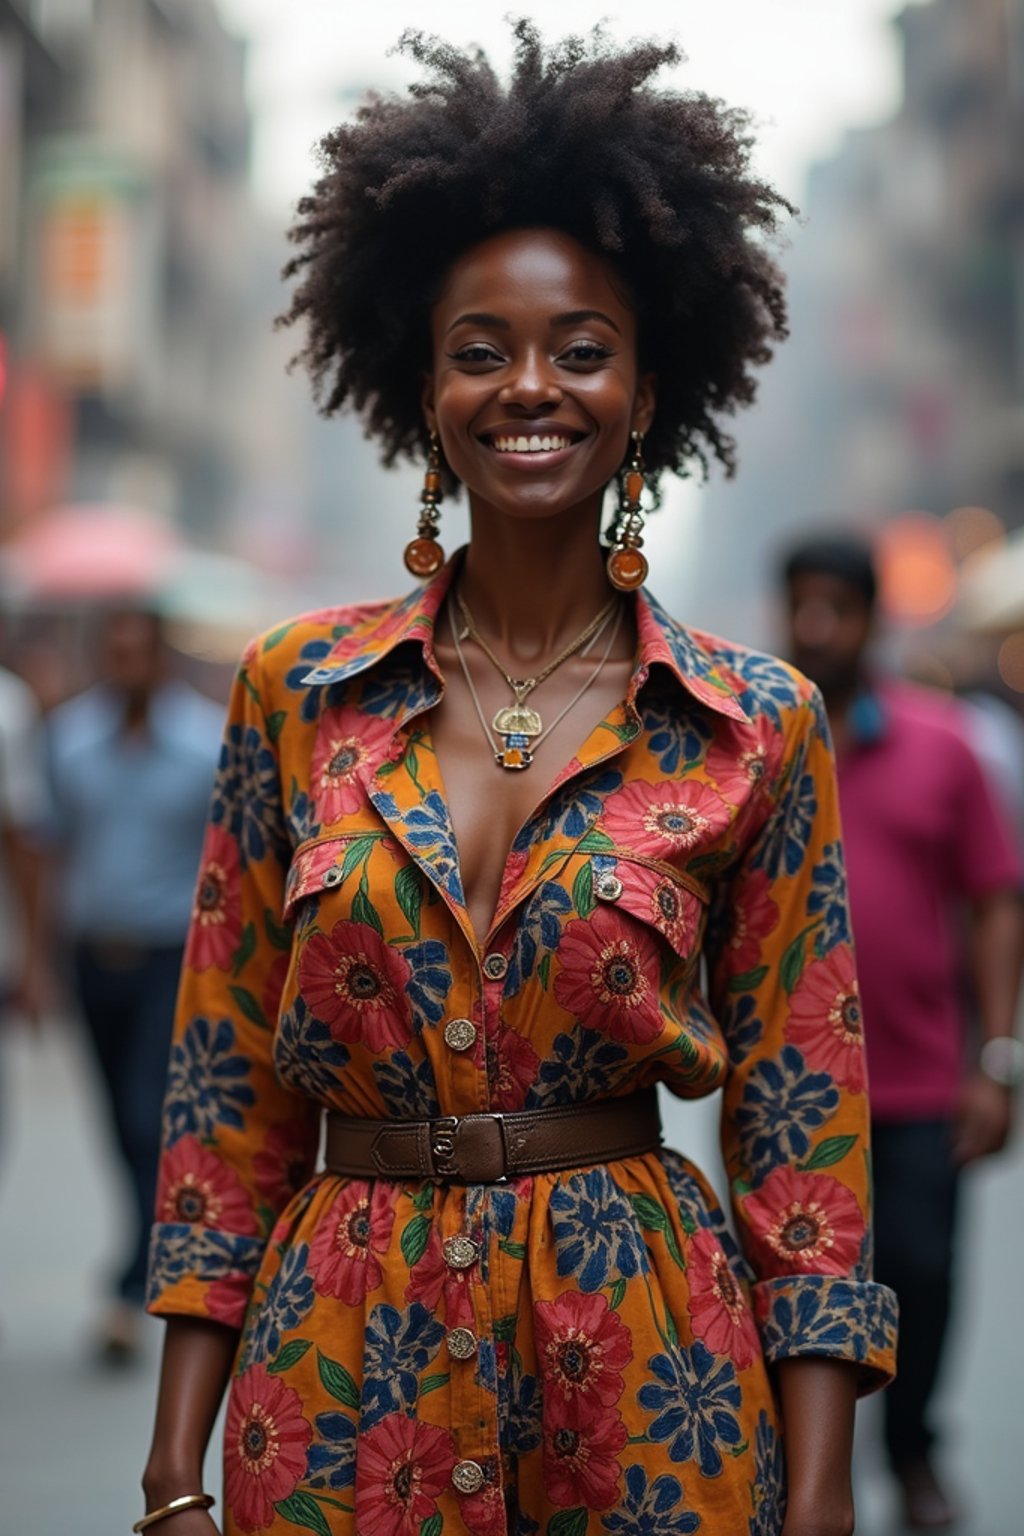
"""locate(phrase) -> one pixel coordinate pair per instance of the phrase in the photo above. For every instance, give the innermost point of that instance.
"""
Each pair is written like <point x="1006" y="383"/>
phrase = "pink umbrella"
<point x="85" y="551"/>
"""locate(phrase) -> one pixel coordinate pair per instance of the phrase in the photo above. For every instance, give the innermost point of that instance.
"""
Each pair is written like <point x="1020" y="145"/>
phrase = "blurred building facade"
<point x="124" y="205"/>
<point x="902" y="385"/>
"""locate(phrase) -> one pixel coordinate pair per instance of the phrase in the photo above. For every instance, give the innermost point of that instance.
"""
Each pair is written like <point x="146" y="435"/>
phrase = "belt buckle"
<point x="444" y="1137"/>
<point x="442" y="1146"/>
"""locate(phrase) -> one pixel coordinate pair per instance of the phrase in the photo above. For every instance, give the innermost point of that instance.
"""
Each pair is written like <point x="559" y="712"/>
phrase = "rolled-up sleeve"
<point x="795" y="1128"/>
<point x="236" y="1144"/>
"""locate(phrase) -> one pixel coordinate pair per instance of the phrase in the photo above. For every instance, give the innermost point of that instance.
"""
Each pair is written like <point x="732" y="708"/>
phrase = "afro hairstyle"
<point x="657" y="181"/>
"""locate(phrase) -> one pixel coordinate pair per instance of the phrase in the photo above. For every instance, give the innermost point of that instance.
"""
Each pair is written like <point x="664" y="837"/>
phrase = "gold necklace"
<point x="516" y="751"/>
<point x="518" y="722"/>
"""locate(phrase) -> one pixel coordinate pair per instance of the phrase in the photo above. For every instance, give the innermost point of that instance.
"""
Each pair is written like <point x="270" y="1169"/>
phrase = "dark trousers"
<point x="127" y="995"/>
<point x="915" y="1222"/>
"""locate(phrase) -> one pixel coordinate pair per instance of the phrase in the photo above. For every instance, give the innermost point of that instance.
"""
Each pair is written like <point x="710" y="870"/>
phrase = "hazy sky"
<point x="806" y="68"/>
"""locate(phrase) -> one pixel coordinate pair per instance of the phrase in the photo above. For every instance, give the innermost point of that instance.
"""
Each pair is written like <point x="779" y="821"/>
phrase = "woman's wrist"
<point x="162" y="1482"/>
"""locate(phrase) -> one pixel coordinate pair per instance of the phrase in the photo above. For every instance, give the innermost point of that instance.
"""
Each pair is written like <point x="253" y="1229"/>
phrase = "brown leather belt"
<point x="486" y="1149"/>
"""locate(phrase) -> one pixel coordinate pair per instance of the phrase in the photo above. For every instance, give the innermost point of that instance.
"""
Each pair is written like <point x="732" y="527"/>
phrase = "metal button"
<point x="461" y="1343"/>
<point x="460" y="1034"/>
<point x="468" y="1476"/>
<point x="460" y="1251"/>
<point x="332" y="876"/>
<point x="495" y="966"/>
<point x="608" y="887"/>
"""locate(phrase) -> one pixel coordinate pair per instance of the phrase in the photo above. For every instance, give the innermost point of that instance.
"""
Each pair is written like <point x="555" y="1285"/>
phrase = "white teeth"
<point x="534" y="444"/>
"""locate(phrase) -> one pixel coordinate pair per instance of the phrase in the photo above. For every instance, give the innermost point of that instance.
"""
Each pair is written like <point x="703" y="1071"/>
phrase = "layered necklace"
<point x="517" y="730"/>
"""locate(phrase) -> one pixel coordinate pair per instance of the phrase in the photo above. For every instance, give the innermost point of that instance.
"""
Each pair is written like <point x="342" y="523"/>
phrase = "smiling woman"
<point x="490" y="861"/>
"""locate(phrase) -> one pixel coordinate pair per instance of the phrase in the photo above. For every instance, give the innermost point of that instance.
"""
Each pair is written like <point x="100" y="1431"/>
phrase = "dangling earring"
<point x="424" y="556"/>
<point x="627" y="568"/>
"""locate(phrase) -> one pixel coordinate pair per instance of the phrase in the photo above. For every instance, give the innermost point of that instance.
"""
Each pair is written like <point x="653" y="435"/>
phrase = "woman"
<point x="469" y="859"/>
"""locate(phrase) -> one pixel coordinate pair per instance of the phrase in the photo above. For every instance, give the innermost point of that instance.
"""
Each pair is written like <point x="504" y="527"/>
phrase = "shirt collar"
<point x="380" y="628"/>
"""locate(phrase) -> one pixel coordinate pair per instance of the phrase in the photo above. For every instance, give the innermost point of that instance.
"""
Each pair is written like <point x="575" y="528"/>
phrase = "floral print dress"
<point x="595" y="1359"/>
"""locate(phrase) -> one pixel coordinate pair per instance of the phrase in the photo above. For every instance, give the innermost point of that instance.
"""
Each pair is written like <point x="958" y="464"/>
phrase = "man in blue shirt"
<point x="132" y="766"/>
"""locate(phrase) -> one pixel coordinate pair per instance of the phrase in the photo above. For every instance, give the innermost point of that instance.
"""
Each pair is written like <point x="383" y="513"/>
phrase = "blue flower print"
<point x="827" y="1315"/>
<point x="312" y="652"/>
<point x="537" y="934"/>
<point x="770" y="687"/>
<point x="678" y="737"/>
<point x="519" y="1412"/>
<point x="176" y="1250"/>
<point x="782" y="1104"/>
<point x="332" y="1458"/>
<point x="742" y="1026"/>
<point x="306" y="1056"/>
<point x="430" y="982"/>
<point x="596" y="1231"/>
<point x="828" y="901"/>
<point x="398" y="1347"/>
<point x="398" y="692"/>
<point x="427" y="827"/>
<point x="790" y="828"/>
<point x="407" y="1087"/>
<point x="570" y="810"/>
<point x="769" y="1490"/>
<point x="694" y="1398"/>
<point x="206" y="1082"/>
<point x="580" y="1067"/>
<point x="651" y="1509"/>
<point x="246" y="795"/>
<point x="288" y="1299"/>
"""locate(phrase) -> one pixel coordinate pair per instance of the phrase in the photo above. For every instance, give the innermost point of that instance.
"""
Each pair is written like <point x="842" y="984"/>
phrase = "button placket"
<point x="460" y="1034"/>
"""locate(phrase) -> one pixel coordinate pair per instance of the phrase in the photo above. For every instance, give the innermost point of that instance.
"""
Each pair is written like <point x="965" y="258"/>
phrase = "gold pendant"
<point x="517" y="719"/>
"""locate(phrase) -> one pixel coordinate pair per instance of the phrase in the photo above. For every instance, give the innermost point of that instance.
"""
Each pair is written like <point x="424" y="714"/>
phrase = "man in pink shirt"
<point x="934" y="886"/>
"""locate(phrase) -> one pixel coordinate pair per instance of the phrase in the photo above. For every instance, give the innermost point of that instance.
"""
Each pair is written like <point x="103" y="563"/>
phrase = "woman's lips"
<point x="531" y="450"/>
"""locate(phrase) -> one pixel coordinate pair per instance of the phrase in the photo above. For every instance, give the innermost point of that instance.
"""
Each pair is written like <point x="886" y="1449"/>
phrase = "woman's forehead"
<point x="542" y="270"/>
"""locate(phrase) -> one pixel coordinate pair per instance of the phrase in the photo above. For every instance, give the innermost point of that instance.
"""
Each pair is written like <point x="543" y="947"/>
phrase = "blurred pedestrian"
<point x="24" y="813"/>
<point x="132" y="766"/>
<point x="926" y="846"/>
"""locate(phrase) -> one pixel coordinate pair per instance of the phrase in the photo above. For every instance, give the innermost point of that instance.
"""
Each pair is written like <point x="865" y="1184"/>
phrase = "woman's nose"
<point x="531" y="383"/>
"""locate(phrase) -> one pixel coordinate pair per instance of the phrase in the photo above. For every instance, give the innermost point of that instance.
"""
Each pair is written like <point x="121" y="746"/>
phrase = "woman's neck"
<point x="533" y="585"/>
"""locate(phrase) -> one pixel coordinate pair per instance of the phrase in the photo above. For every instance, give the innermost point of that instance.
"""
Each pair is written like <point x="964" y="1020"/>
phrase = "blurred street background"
<point x="153" y="444"/>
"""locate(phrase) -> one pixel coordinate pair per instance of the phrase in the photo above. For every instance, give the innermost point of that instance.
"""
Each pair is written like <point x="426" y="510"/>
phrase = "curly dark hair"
<point x="657" y="181"/>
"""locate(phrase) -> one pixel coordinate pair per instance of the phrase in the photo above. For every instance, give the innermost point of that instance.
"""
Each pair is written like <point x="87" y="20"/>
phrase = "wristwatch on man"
<point x="1002" y="1060"/>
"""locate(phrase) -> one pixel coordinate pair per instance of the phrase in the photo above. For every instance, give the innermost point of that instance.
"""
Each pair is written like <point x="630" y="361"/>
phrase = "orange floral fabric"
<point x="596" y="1361"/>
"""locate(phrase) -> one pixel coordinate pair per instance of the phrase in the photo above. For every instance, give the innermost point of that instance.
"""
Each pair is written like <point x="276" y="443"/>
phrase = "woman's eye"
<point x="585" y="352"/>
<point x="476" y="352"/>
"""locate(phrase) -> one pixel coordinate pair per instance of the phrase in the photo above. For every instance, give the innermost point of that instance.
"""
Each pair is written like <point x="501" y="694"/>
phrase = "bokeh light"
<point x="1011" y="661"/>
<point x="972" y="528"/>
<point x="917" y="569"/>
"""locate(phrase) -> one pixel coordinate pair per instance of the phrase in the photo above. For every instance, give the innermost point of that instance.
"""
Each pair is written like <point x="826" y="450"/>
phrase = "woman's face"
<point x="534" y="388"/>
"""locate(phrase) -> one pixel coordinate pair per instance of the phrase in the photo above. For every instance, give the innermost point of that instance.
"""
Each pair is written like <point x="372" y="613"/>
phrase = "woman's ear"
<point x="644" y="402"/>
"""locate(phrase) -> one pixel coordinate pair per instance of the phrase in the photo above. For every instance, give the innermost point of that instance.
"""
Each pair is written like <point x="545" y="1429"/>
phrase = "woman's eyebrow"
<point x="581" y="316"/>
<point x="479" y="319"/>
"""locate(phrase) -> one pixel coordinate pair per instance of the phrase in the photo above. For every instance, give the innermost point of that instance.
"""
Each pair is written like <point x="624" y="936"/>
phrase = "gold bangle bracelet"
<point x="184" y="1501"/>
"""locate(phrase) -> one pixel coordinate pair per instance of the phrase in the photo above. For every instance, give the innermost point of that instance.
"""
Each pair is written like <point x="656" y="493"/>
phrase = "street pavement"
<point x="73" y="1437"/>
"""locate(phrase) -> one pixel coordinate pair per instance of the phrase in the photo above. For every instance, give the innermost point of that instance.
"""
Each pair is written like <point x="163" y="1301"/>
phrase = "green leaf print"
<point x="409" y="895"/>
<point x="364" y="911"/>
<point x="290" y="1355"/>
<point x="432" y="1526"/>
<point x="505" y="1328"/>
<point x="749" y="981"/>
<point x="302" y="1509"/>
<point x="431" y="1383"/>
<point x="249" y="1006"/>
<point x="650" y="1214"/>
<point x="594" y="842"/>
<point x="618" y="1294"/>
<point x="278" y="934"/>
<point x="245" y="951"/>
<point x="568" y="1522"/>
<point x="415" y="1238"/>
<point x="832" y="1150"/>
<point x="275" y="723"/>
<point x="583" y="891"/>
<point x="356" y="853"/>
<point x="337" y="1380"/>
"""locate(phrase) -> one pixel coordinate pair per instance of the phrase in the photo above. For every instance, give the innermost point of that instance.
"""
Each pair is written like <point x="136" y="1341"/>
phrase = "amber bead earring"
<point x="424" y="556"/>
<point x="627" y="568"/>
